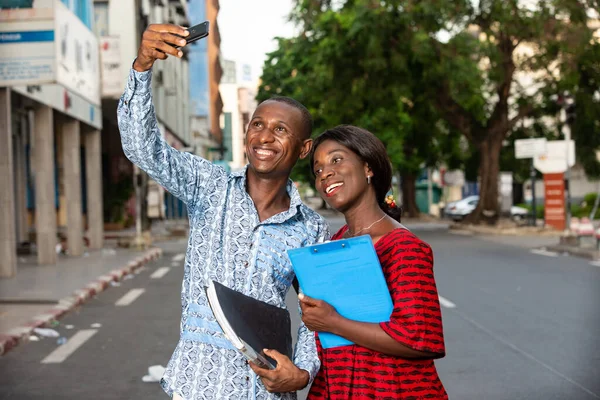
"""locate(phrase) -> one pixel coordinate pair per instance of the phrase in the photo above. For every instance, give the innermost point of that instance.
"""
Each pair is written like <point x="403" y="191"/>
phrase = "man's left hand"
<point x="286" y="377"/>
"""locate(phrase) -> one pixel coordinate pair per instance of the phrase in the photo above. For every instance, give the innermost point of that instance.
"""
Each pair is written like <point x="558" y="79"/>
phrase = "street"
<point x="518" y="325"/>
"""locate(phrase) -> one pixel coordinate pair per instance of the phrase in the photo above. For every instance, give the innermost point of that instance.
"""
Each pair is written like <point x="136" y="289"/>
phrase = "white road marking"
<point x="595" y="263"/>
<point x="64" y="351"/>
<point x="446" y="303"/>
<point x="129" y="297"/>
<point x="160" y="272"/>
<point x="179" y="257"/>
<point x="174" y="264"/>
<point x="543" y="252"/>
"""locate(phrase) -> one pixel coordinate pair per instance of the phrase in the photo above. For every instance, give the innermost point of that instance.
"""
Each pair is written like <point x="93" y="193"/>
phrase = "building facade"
<point x="50" y="128"/>
<point x="239" y="102"/>
<point x="119" y="26"/>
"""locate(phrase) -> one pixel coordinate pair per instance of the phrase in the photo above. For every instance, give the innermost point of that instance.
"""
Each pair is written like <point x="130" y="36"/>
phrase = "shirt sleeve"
<point x="305" y="353"/>
<point x="185" y="175"/>
<point x="416" y="320"/>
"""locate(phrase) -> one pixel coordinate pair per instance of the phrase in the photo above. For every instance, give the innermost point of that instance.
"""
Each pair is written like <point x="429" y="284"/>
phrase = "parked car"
<point x="457" y="210"/>
<point x="519" y="213"/>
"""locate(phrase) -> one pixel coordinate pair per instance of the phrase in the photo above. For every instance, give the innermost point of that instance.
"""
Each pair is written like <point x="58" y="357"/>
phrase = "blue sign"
<point x="26" y="37"/>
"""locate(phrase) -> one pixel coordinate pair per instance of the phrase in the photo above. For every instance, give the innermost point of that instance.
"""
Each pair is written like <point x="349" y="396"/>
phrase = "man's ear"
<point x="306" y="147"/>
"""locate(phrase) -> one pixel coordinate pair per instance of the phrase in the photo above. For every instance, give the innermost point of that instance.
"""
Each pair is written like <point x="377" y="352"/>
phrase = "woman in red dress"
<point x="392" y="359"/>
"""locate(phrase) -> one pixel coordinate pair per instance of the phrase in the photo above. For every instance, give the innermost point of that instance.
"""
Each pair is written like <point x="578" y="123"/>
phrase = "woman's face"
<point x="340" y="175"/>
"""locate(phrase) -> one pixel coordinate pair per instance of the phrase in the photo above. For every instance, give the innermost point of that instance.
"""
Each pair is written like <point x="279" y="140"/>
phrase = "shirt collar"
<point x="295" y="200"/>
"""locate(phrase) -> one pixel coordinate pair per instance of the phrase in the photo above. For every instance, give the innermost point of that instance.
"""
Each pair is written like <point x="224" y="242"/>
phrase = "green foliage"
<point x="355" y="65"/>
<point x="421" y="73"/>
<point x="116" y="196"/>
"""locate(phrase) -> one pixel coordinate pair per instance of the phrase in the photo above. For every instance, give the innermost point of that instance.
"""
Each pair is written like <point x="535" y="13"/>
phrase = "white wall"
<point x="229" y="95"/>
<point x="122" y="22"/>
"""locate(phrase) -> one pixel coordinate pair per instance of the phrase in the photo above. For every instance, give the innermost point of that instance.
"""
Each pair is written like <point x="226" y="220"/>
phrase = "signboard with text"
<point x="77" y="56"/>
<point x="110" y="58"/>
<point x="554" y="195"/>
<point x="530" y="148"/>
<point x="559" y="154"/>
<point x="27" y="47"/>
<point x="49" y="45"/>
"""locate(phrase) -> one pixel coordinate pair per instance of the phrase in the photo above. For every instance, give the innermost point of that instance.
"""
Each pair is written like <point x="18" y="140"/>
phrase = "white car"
<point x="457" y="210"/>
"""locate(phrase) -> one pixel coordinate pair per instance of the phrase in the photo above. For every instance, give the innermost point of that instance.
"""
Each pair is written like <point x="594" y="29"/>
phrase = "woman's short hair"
<point x="369" y="149"/>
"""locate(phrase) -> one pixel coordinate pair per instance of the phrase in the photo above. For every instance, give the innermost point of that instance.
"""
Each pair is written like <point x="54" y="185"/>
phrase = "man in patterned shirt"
<point x="241" y="223"/>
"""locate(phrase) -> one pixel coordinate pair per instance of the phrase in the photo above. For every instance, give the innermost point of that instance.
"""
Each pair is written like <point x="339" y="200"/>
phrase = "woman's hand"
<point x="318" y="315"/>
<point x="286" y="377"/>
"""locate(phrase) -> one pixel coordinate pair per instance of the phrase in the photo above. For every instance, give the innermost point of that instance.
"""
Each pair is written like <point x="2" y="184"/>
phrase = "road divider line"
<point x="129" y="297"/>
<point x="64" y="351"/>
<point x="446" y="303"/>
<point x="543" y="252"/>
<point x="595" y="263"/>
<point x="160" y="272"/>
<point x="179" y="257"/>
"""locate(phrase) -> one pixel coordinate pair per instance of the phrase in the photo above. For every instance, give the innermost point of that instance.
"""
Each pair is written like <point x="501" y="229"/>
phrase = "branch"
<point x="455" y="114"/>
<point x="523" y="112"/>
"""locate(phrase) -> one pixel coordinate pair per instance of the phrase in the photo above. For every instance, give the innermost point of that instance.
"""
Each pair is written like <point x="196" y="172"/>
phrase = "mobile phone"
<point x="197" y="32"/>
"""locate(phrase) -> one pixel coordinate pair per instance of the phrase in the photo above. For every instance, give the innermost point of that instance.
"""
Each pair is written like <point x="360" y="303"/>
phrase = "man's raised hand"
<point x="158" y="42"/>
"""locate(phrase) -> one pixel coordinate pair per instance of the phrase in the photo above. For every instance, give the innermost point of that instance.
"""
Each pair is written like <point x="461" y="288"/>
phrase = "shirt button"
<point x="246" y="265"/>
<point x="247" y="378"/>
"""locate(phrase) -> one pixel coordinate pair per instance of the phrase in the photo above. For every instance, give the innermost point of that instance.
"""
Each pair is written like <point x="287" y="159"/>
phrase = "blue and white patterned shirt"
<point x="228" y="244"/>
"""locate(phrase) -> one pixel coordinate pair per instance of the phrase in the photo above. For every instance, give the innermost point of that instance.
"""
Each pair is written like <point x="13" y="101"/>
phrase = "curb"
<point x="21" y="334"/>
<point x="589" y="254"/>
<point x="516" y="232"/>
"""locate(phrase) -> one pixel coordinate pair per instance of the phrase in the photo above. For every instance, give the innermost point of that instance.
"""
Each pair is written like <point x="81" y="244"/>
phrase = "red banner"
<point x="554" y="194"/>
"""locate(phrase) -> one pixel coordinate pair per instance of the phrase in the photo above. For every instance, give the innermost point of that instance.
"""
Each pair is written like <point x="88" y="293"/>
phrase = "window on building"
<point x="101" y="18"/>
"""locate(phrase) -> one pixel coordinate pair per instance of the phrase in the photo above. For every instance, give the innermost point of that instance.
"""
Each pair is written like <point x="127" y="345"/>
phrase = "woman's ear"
<point x="368" y="171"/>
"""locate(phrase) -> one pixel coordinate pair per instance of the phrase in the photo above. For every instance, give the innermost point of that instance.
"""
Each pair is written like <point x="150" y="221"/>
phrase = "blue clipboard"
<point x="346" y="274"/>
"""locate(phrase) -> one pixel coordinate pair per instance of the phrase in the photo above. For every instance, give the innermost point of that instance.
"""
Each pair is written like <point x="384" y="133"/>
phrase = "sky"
<point x="248" y="27"/>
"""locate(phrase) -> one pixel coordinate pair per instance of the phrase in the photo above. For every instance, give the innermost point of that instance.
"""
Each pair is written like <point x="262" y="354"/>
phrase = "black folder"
<point x="251" y="325"/>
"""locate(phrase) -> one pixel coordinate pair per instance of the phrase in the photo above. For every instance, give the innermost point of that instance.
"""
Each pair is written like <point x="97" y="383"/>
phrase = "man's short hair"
<point x="307" y="120"/>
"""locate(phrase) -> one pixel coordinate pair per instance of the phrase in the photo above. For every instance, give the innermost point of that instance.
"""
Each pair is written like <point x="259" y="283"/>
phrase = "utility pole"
<point x="566" y="130"/>
<point x="138" y="241"/>
<point x="429" y="191"/>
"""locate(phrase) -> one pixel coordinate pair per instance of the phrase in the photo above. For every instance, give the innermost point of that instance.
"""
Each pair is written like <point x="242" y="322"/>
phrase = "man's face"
<point x="274" y="140"/>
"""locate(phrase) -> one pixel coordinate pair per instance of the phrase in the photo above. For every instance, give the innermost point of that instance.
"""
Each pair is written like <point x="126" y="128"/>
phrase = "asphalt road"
<point x="518" y="325"/>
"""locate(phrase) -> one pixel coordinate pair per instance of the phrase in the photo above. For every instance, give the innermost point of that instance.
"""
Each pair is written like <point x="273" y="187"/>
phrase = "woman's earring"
<point x="369" y="179"/>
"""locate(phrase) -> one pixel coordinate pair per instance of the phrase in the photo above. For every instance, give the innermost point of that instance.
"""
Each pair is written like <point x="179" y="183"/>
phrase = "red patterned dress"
<point x="355" y="372"/>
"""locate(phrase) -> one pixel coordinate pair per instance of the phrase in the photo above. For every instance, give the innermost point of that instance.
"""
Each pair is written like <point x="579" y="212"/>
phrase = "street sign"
<point x="555" y="158"/>
<point x="530" y="148"/>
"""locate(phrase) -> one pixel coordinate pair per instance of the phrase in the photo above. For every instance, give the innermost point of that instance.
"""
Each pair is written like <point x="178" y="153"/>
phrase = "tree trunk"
<point x="488" y="210"/>
<point x="409" y="196"/>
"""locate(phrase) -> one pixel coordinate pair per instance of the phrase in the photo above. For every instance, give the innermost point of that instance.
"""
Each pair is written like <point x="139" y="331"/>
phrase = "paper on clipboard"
<point x="346" y="274"/>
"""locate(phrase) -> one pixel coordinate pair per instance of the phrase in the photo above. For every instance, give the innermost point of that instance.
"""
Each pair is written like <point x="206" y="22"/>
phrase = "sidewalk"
<point x="40" y="294"/>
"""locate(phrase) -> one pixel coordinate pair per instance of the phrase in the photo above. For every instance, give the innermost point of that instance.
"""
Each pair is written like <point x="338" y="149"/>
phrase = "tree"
<point x="350" y="65"/>
<point x="499" y="70"/>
